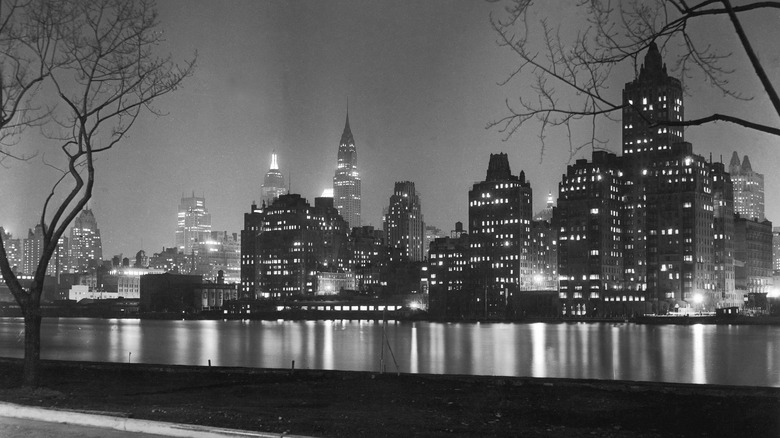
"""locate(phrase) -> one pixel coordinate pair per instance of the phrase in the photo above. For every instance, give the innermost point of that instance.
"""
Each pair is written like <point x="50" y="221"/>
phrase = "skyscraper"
<point x="748" y="189"/>
<point x="723" y="238"/>
<point x="346" y="181"/>
<point x="286" y="246"/>
<point x="652" y="97"/>
<point x="194" y="223"/>
<point x="86" y="248"/>
<point x="500" y="229"/>
<point x="590" y="252"/>
<point x="32" y="249"/>
<point x="13" y="250"/>
<point x="403" y="223"/>
<point x="659" y="214"/>
<point x="273" y="183"/>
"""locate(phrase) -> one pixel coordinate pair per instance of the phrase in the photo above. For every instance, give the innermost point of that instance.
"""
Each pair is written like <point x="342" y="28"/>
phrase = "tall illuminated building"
<point x="194" y="223"/>
<point x="86" y="248"/>
<point x="500" y="237"/>
<point x="13" y="250"/>
<point x="776" y="248"/>
<point x="32" y="251"/>
<point x="346" y="181"/>
<point x="590" y="249"/>
<point x="652" y="97"/>
<point x="273" y="183"/>
<point x="723" y="237"/>
<point x="403" y="224"/>
<point x="290" y="248"/>
<point x="748" y="189"/>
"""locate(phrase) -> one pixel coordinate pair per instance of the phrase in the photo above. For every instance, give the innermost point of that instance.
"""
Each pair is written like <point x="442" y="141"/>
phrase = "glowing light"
<point x="698" y="298"/>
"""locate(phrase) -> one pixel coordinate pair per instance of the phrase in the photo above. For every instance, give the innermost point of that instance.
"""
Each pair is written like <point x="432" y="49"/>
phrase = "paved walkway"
<point x="30" y="421"/>
<point x="25" y="428"/>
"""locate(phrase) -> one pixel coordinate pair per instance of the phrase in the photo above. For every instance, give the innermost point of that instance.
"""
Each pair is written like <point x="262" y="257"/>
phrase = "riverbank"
<point x="335" y="403"/>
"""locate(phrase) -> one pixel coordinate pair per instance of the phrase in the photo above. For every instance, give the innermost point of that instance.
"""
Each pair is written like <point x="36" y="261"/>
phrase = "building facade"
<point x="500" y="236"/>
<point x="753" y="255"/>
<point x="287" y="245"/>
<point x="776" y="249"/>
<point x="680" y="251"/>
<point x="193" y="223"/>
<point x="448" y="276"/>
<point x="86" y="247"/>
<point x="588" y="219"/>
<point x="32" y="251"/>
<point x="723" y="237"/>
<point x="13" y="250"/>
<point x="346" y="181"/>
<point x="748" y="188"/>
<point x="220" y="252"/>
<point x="403" y="224"/>
<point x="652" y="97"/>
<point x="369" y="257"/>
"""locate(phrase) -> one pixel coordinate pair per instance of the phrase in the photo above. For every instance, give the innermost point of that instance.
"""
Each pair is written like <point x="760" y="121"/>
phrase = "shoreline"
<point x="372" y="316"/>
<point x="349" y="403"/>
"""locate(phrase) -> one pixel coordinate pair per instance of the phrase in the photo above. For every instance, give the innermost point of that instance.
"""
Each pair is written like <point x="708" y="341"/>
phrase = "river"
<point x="715" y="354"/>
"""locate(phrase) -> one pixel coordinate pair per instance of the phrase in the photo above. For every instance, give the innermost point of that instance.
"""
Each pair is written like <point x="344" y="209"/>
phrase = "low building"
<point x="171" y="293"/>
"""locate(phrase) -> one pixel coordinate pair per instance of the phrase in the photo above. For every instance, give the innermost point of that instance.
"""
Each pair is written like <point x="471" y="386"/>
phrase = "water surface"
<point x="719" y="354"/>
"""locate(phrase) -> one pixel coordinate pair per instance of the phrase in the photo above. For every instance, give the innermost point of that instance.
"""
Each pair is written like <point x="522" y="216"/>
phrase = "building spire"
<point x="274" y="163"/>
<point x="346" y="137"/>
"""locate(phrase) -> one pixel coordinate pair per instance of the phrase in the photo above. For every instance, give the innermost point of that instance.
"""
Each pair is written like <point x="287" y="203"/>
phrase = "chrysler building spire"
<point x="346" y="181"/>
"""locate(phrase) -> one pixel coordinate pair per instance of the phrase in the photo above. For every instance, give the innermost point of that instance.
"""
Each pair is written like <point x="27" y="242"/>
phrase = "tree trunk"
<point x="32" y="346"/>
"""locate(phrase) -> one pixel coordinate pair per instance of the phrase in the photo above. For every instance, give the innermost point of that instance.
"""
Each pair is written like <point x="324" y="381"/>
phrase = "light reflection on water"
<point x="735" y="355"/>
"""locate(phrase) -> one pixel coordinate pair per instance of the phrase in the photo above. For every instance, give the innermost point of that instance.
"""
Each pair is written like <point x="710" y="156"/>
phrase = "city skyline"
<point x="422" y="84"/>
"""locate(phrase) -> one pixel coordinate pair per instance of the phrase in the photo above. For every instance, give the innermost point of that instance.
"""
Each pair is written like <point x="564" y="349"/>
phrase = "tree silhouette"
<point x="569" y="80"/>
<point x="83" y="70"/>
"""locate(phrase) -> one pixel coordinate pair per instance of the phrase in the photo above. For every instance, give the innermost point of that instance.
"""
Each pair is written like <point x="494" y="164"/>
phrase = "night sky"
<point x="421" y="80"/>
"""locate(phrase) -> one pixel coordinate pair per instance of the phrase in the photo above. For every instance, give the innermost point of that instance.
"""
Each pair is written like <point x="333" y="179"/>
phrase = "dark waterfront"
<point x="712" y="354"/>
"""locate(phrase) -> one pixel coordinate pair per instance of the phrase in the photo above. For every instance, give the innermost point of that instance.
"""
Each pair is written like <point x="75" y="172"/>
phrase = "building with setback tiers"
<point x="273" y="183"/>
<point x="655" y="245"/>
<point x="748" y="188"/>
<point x="86" y="248"/>
<point x="284" y="246"/>
<point x="500" y="230"/>
<point x="193" y="223"/>
<point x="652" y="97"/>
<point x="403" y="224"/>
<point x="346" y="181"/>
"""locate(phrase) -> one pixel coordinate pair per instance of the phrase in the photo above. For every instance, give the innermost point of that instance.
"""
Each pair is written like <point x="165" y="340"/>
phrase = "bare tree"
<point x="569" y="84"/>
<point x="97" y="57"/>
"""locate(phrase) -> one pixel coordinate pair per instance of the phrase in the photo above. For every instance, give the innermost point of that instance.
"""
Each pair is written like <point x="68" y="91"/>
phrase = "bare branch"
<point x="614" y="34"/>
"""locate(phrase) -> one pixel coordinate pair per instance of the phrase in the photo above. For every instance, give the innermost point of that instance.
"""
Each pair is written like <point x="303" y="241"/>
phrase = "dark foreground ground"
<point x="324" y="403"/>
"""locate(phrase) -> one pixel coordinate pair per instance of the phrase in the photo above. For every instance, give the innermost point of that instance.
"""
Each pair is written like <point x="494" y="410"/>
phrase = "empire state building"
<point x="346" y="181"/>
